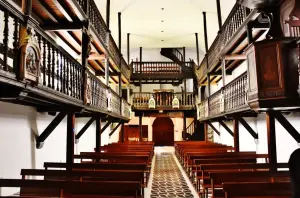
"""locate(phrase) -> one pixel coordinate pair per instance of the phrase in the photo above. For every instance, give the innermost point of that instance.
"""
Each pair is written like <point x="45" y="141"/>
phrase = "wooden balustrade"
<point x="235" y="96"/>
<point x="215" y="103"/>
<point x="156" y="68"/>
<point x="232" y="97"/>
<point x="115" y="103"/>
<point x="113" y="50"/>
<point x="125" y="108"/>
<point x="234" y="21"/>
<point x="57" y="72"/>
<point x="163" y="99"/>
<point x="97" y="20"/>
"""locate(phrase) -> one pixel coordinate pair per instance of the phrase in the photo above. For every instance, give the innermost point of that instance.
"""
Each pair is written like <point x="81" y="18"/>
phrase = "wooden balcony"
<point x="162" y="72"/>
<point x="231" y="39"/>
<point x="163" y="101"/>
<point x="54" y="81"/>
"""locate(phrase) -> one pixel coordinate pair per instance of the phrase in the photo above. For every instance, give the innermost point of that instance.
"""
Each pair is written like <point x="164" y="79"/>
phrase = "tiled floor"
<point x="168" y="179"/>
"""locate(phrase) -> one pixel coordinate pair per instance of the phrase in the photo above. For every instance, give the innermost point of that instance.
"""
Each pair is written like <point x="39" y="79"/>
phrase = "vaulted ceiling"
<point x="164" y="23"/>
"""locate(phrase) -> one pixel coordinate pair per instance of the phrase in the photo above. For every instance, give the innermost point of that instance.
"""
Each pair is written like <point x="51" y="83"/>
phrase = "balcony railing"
<point x="58" y="73"/>
<point x="159" y="68"/>
<point x="234" y="21"/>
<point x="163" y="99"/>
<point x="230" y="98"/>
<point x="125" y="109"/>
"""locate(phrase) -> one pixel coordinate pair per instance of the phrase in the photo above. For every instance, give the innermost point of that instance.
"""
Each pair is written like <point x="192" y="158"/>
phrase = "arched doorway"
<point x="163" y="132"/>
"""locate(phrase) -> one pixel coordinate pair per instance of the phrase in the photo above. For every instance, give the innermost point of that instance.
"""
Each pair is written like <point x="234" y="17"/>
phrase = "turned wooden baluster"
<point x="57" y="70"/>
<point x="53" y="67"/>
<point x="16" y="43"/>
<point x="44" y="62"/>
<point x="5" y="40"/>
<point x="64" y="73"/>
<point x="49" y="63"/>
<point x="68" y="70"/>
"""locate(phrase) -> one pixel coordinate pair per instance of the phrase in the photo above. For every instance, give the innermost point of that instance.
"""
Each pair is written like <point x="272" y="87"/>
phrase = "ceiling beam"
<point x="235" y="57"/>
<point x="62" y="10"/>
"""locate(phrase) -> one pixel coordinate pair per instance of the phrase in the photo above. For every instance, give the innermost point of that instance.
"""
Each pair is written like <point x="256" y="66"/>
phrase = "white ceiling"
<point x="181" y="20"/>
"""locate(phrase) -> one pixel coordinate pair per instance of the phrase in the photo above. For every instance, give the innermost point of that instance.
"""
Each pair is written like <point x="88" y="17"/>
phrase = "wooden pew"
<point x="48" y="188"/>
<point x="99" y="175"/>
<point x="218" y="178"/>
<point x="257" y="190"/>
<point x="204" y="169"/>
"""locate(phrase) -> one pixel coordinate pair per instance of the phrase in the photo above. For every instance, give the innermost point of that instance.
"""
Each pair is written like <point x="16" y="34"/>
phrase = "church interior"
<point x="150" y="99"/>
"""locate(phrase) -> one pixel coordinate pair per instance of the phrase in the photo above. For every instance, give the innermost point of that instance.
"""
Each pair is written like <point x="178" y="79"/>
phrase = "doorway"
<point x="163" y="131"/>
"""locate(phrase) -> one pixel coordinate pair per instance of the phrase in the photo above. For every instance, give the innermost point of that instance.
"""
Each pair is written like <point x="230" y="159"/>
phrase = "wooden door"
<point x="163" y="132"/>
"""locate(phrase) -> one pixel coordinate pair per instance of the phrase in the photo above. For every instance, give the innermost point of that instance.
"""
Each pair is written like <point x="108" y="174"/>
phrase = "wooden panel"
<point x="132" y="133"/>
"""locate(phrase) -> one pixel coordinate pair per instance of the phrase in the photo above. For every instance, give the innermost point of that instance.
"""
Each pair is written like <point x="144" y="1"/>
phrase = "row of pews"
<point x="120" y="170"/>
<point x="216" y="170"/>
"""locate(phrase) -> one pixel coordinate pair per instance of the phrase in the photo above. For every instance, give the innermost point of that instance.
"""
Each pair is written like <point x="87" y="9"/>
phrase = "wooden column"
<point x="122" y="133"/>
<point x="219" y="14"/>
<point x="224" y="71"/>
<point x="205" y="31"/>
<point x="98" y="134"/>
<point x="70" y="138"/>
<point x="184" y="126"/>
<point x="128" y="48"/>
<point x="108" y="14"/>
<point x="84" y="57"/>
<point x="141" y="127"/>
<point x="205" y="132"/>
<point x="197" y="48"/>
<point x="236" y="135"/>
<point x="107" y="60"/>
<point x="120" y="30"/>
<point x="141" y="58"/>
<point x="272" y="150"/>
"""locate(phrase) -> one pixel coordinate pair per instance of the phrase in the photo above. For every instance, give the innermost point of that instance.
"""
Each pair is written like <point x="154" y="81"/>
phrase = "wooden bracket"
<point x="83" y="130"/>
<point x="248" y="128"/>
<point x="50" y="128"/>
<point x="106" y="125"/>
<point x="287" y="125"/>
<point x="226" y="127"/>
<point x="213" y="128"/>
<point x="113" y="131"/>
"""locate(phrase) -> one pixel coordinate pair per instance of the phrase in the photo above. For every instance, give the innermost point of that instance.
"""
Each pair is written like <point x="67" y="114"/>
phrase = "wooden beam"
<point x="287" y="125"/>
<point x="248" y="128"/>
<point x="106" y="125"/>
<point x="141" y="127"/>
<point x="101" y="73"/>
<point x="122" y="133"/>
<point x="77" y="9"/>
<point x="226" y="127"/>
<point x="49" y="129"/>
<point x="235" y="57"/>
<point x="236" y="135"/>
<point x="205" y="132"/>
<point x="44" y="8"/>
<point x="116" y="127"/>
<point x="213" y="127"/>
<point x="70" y="138"/>
<point x="62" y="10"/>
<point x="83" y="130"/>
<point x="272" y="150"/>
<point x="62" y="26"/>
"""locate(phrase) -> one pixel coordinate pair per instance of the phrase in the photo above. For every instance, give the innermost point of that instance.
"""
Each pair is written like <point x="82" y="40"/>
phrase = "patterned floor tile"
<point x="168" y="181"/>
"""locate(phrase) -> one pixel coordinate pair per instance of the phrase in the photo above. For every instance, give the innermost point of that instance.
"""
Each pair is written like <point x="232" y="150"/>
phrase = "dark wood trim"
<point x="226" y="127"/>
<point x="50" y="128"/>
<point x="83" y="130"/>
<point x="128" y="48"/>
<point x="107" y="14"/>
<point x="62" y="27"/>
<point x="205" y="31"/>
<point x="197" y="49"/>
<point x="123" y="133"/>
<point x="141" y="128"/>
<point x="272" y="149"/>
<point x="248" y="128"/>
<point x="213" y="127"/>
<point x="219" y="14"/>
<point x="236" y="135"/>
<point x="287" y="125"/>
<point x="70" y="138"/>
<point x="106" y="125"/>
<point x="62" y="10"/>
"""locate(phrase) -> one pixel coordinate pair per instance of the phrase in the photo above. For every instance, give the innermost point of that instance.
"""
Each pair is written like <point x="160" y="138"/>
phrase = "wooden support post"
<point x="108" y="14"/>
<point x="224" y="72"/>
<point x="27" y="7"/>
<point x="205" y="132"/>
<point x="83" y="130"/>
<point x="128" y="48"/>
<point x="84" y="57"/>
<point x="288" y="127"/>
<point x="213" y="127"/>
<point x="183" y="50"/>
<point x="122" y="133"/>
<point x="197" y="49"/>
<point x="70" y="138"/>
<point x="205" y="31"/>
<point x="249" y="33"/>
<point x="219" y="14"/>
<point x="98" y="135"/>
<point x="248" y="128"/>
<point x="107" y="60"/>
<point x="141" y="127"/>
<point x="184" y="126"/>
<point x="120" y="30"/>
<point x="226" y="128"/>
<point x="141" y="58"/>
<point x="272" y="150"/>
<point x="236" y="135"/>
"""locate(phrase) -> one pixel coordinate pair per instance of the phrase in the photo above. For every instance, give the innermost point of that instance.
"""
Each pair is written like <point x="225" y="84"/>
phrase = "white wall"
<point x="20" y="125"/>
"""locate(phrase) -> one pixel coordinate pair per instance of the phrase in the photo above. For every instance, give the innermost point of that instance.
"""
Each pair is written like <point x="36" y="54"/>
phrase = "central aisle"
<point x="169" y="180"/>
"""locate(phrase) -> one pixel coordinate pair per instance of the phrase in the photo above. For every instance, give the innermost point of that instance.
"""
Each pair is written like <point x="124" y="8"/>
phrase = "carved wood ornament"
<point x="30" y="57"/>
<point x="87" y="90"/>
